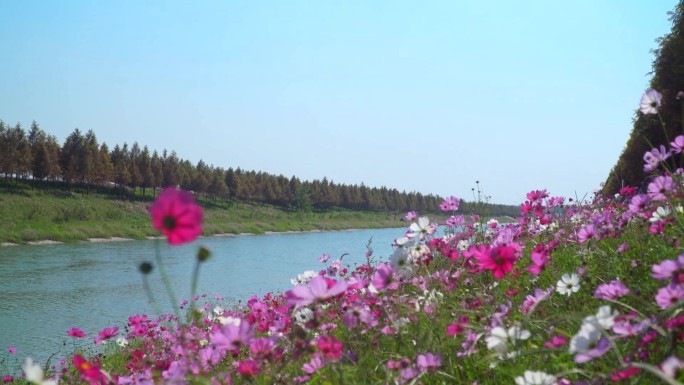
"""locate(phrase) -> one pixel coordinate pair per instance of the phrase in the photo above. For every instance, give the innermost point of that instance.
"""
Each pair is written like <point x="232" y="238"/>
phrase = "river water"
<point x="48" y="289"/>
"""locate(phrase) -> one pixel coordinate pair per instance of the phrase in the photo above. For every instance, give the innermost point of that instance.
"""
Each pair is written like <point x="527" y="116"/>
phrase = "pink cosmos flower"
<point x="532" y="300"/>
<point x="7" y="379"/>
<point x="678" y="144"/>
<point x="411" y="215"/>
<point x="669" y="295"/>
<point x="383" y="276"/>
<point x="12" y="349"/>
<point x="76" y="333"/>
<point x="659" y="186"/>
<point x="177" y="216"/>
<point x="650" y="102"/>
<point x="455" y="220"/>
<point x="654" y="157"/>
<point x="586" y="233"/>
<point x="638" y="203"/>
<point x="669" y="269"/>
<point x="232" y="337"/>
<point x="614" y="289"/>
<point x="315" y="364"/>
<point x="106" y="333"/>
<point x="319" y="288"/>
<point x="450" y="204"/>
<point x="499" y="260"/>
<point x="671" y="366"/>
<point x="429" y="361"/>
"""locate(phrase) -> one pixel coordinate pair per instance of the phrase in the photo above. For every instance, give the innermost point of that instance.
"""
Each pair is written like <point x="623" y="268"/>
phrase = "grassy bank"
<point x="28" y="215"/>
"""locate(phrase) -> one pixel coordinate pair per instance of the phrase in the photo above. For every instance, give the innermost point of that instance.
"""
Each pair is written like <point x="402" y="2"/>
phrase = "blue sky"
<point x="419" y="96"/>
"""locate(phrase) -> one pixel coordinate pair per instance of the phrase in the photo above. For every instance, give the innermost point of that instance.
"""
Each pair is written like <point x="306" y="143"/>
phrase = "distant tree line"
<point x="82" y="160"/>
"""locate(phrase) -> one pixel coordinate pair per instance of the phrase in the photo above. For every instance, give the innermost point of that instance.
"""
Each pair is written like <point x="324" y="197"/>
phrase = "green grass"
<point x="28" y="215"/>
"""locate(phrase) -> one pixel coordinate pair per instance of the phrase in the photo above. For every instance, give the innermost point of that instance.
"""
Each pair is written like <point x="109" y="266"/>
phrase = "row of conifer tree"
<point x="81" y="160"/>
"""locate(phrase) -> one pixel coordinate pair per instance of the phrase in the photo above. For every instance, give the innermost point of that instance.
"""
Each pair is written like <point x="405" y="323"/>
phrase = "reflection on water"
<point x="46" y="290"/>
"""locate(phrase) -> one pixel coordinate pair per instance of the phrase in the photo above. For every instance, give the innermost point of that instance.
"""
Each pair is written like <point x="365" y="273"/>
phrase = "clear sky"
<point x="425" y="96"/>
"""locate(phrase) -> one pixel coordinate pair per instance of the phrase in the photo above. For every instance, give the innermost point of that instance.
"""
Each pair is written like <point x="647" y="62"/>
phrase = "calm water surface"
<point x="46" y="290"/>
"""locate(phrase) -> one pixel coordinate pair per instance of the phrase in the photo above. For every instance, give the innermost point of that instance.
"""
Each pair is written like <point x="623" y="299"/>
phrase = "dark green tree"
<point x="668" y="79"/>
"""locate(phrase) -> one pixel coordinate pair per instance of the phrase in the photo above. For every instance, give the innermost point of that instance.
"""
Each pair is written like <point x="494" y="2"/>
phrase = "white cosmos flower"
<point x="229" y="320"/>
<point x="650" y="102"/>
<point x="303" y="278"/>
<point x="660" y="214"/>
<point x="401" y="261"/>
<point x="34" y="373"/>
<point x="568" y="284"/>
<point x="422" y="227"/>
<point x="303" y="315"/>
<point x="121" y="341"/>
<point x="535" y="378"/>
<point x="499" y="338"/>
<point x="586" y="339"/>
<point x="605" y="318"/>
<point x="401" y="241"/>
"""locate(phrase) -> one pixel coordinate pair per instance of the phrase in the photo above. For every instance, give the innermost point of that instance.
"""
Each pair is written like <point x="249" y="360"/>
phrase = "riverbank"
<point x="42" y="217"/>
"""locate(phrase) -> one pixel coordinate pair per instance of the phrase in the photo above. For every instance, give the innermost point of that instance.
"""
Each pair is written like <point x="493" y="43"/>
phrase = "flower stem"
<point x="167" y="282"/>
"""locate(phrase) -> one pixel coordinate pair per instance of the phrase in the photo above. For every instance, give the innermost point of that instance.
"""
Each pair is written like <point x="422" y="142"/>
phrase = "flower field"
<point x="574" y="293"/>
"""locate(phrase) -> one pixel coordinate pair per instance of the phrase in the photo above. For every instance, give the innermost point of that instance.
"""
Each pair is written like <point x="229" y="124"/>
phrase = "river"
<point x="48" y="289"/>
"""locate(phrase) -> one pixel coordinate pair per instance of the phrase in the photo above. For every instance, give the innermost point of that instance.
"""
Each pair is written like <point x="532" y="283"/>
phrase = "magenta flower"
<point x="177" y="216"/>
<point x="539" y="260"/>
<point x="458" y="327"/>
<point x="329" y="346"/>
<point x="658" y="188"/>
<point x="411" y="215"/>
<point x="106" y="333"/>
<point x="90" y="372"/>
<point x="556" y="341"/>
<point x="499" y="260"/>
<point x="12" y="349"/>
<point x="650" y="102"/>
<point x="319" y="288"/>
<point x="76" y="333"/>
